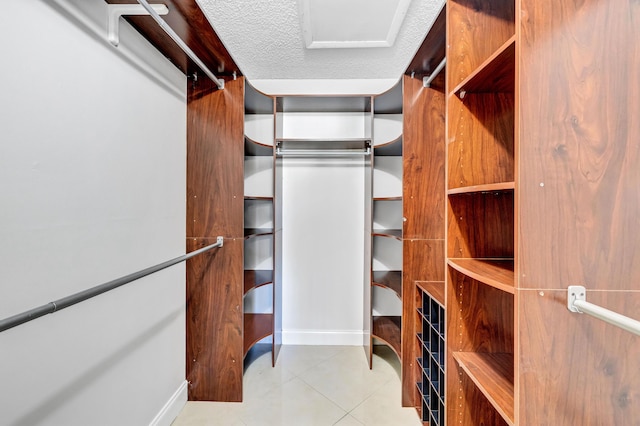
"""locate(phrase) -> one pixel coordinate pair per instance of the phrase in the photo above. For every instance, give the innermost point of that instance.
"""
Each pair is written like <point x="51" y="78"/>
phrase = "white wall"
<point x="323" y="251"/>
<point x="92" y="187"/>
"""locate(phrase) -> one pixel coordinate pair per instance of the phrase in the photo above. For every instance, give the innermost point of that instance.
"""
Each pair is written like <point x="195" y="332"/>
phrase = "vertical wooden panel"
<point x="215" y="155"/>
<point x="214" y="321"/>
<point x="215" y="160"/>
<point x="577" y="370"/>
<point x="424" y="209"/>
<point x="423" y="161"/>
<point x="580" y="149"/>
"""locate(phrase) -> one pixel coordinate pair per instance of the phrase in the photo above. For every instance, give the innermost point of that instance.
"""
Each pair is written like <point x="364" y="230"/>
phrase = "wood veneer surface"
<point x="214" y="321"/>
<point x="387" y="328"/>
<point x="188" y="21"/>
<point x="215" y="160"/>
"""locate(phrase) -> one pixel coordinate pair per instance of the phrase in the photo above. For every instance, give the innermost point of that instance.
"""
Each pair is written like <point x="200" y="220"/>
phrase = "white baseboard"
<point x="172" y="408"/>
<point x="322" y="337"/>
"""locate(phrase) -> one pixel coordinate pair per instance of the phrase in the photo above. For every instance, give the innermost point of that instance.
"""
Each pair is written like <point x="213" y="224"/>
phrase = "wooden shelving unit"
<point x="481" y="227"/>
<point x="386" y="225"/>
<point x="260" y="223"/>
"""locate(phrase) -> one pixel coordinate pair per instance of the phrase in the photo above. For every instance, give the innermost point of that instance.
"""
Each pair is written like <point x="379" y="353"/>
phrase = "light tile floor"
<point x="309" y="386"/>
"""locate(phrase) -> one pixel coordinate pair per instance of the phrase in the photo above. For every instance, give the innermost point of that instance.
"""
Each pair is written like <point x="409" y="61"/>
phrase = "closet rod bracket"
<point x="117" y="10"/>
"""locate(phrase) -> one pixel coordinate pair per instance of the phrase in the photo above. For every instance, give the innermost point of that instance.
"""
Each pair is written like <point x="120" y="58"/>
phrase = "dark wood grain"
<point x="580" y="180"/>
<point x="493" y="375"/>
<point x="423" y="162"/>
<point x="215" y="207"/>
<point x="214" y="321"/>
<point x="431" y="51"/>
<point x="254" y="278"/>
<point x="475" y="30"/>
<point x="389" y="279"/>
<point x="435" y="289"/>
<point x="256" y="328"/>
<point x="215" y="143"/>
<point x="575" y="369"/>
<point x="188" y="21"/>
<point x="481" y="225"/>
<point x="496" y="273"/>
<point x="495" y="75"/>
<point x="481" y="139"/>
<point x="387" y="329"/>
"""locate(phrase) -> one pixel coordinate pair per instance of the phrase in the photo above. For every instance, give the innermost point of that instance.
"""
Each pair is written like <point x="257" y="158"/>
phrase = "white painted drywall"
<point x="323" y="251"/>
<point x="92" y="187"/>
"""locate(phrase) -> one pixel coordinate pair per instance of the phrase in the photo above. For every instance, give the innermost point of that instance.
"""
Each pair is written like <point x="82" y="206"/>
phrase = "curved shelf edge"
<point x="254" y="278"/>
<point x="256" y="232"/>
<point x="388" y="233"/>
<point x="489" y="187"/>
<point x="493" y="375"/>
<point x="387" y="329"/>
<point x="435" y="289"/>
<point x="389" y="279"/>
<point x="256" y="148"/>
<point x="256" y="328"/>
<point x="496" y="273"/>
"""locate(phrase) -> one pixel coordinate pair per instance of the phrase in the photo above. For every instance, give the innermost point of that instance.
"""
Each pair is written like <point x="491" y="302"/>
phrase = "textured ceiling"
<point x="265" y="39"/>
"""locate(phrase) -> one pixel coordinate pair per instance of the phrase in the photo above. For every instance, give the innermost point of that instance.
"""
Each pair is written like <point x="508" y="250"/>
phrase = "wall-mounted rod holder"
<point x="577" y="302"/>
<point x="427" y="80"/>
<point x="115" y="11"/>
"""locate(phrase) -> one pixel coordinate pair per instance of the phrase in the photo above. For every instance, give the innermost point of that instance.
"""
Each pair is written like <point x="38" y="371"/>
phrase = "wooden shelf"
<point x="258" y="198"/>
<point x="391" y="233"/>
<point x="389" y="149"/>
<point x="396" y="198"/>
<point x="253" y="148"/>
<point x="389" y="279"/>
<point x="254" y="278"/>
<point x="435" y="289"/>
<point x="256" y="328"/>
<point x="491" y="187"/>
<point x="495" y="75"/>
<point x="387" y="329"/>
<point x="493" y="375"/>
<point x="495" y="273"/>
<point x="255" y="232"/>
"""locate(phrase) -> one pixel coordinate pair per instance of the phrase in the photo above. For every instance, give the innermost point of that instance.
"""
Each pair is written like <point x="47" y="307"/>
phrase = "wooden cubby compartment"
<point x="480" y="338"/>
<point x="431" y="356"/>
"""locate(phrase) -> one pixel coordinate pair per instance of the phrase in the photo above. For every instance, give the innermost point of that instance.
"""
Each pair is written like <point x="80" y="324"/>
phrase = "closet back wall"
<point x="323" y="235"/>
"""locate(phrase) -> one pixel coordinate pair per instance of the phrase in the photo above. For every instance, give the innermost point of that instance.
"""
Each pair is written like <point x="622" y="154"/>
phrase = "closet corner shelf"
<point x="435" y="289"/>
<point x="389" y="149"/>
<point x="254" y="278"/>
<point x="390" y="233"/>
<point x="256" y="328"/>
<point x="254" y="148"/>
<point x="497" y="273"/>
<point x="389" y="279"/>
<point x="387" y="329"/>
<point x="395" y="198"/>
<point x="490" y="187"/>
<point x="256" y="232"/>
<point x="258" y="198"/>
<point x="496" y="74"/>
<point x="493" y="375"/>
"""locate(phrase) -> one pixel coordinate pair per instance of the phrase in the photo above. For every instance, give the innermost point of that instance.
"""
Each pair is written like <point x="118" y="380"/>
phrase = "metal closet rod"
<point x="321" y="152"/>
<point x="81" y="296"/>
<point x="426" y="81"/>
<point x="577" y="302"/>
<point x="171" y="33"/>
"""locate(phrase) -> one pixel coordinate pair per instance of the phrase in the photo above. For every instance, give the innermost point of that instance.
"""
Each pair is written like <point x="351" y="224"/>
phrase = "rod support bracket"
<point x="220" y="240"/>
<point x="575" y="292"/>
<point x="115" y="11"/>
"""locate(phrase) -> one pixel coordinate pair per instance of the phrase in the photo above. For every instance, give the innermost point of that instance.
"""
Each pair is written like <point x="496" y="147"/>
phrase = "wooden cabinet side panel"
<point x="215" y="160"/>
<point x="579" y="145"/>
<point x="575" y="369"/>
<point x="214" y="321"/>
<point x="423" y="260"/>
<point x="423" y="161"/>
